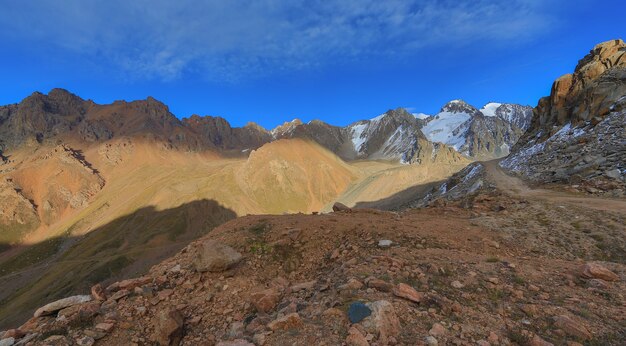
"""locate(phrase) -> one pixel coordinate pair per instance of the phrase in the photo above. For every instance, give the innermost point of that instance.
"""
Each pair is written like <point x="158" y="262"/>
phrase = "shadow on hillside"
<point x="126" y="247"/>
<point x="401" y="199"/>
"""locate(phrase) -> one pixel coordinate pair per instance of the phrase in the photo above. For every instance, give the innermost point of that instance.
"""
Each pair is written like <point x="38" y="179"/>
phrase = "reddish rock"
<point x="265" y="300"/>
<point x="596" y="271"/>
<point x="407" y="292"/>
<point x="291" y="321"/>
<point x="105" y="327"/>
<point x="356" y="338"/>
<point x="380" y="285"/>
<point x="168" y="327"/>
<point x="236" y="342"/>
<point x="538" y="341"/>
<point x="97" y="292"/>
<point x="14" y="333"/>
<point x="571" y="327"/>
<point x="437" y="330"/>
<point x="303" y="286"/>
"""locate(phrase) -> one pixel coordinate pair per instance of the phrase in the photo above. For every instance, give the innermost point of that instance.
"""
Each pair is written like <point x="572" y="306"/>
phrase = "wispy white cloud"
<point x="234" y="39"/>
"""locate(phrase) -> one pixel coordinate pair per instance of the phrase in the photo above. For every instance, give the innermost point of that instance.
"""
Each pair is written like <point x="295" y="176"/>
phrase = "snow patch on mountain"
<point x="444" y="128"/>
<point x="421" y="116"/>
<point x="358" y="139"/>
<point x="489" y="110"/>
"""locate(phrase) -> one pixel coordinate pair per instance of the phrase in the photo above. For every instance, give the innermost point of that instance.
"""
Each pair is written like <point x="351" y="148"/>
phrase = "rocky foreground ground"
<point x="503" y="270"/>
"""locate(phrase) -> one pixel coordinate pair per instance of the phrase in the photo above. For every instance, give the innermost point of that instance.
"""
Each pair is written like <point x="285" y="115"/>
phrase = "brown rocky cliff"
<point x="598" y="81"/>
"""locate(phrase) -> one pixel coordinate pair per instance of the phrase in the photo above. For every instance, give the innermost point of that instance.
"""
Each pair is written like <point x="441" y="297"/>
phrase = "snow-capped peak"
<point x="421" y="116"/>
<point x="489" y="110"/>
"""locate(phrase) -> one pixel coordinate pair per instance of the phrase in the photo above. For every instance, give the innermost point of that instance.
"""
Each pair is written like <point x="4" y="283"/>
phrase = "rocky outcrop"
<point x="577" y="133"/>
<point x="61" y="304"/>
<point x="217" y="132"/>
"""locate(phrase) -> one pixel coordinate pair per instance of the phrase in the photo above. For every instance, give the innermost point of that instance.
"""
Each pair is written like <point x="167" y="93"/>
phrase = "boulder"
<point x="340" y="207"/>
<point x="407" y="292"/>
<point x="596" y="271"/>
<point x="53" y="307"/>
<point x="383" y="321"/>
<point x="168" y="327"/>
<point x="214" y="256"/>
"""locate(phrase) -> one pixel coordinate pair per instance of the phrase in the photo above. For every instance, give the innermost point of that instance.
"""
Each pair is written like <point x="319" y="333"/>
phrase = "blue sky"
<point x="270" y="61"/>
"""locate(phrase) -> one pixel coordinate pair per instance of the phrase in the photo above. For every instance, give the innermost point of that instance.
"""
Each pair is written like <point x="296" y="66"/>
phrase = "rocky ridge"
<point x="577" y="133"/>
<point x="62" y="116"/>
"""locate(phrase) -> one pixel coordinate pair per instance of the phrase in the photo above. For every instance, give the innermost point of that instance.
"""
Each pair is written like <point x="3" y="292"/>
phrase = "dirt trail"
<point x="516" y="186"/>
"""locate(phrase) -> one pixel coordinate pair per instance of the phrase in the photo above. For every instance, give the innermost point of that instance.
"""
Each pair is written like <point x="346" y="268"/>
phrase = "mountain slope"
<point x="578" y="132"/>
<point x="480" y="134"/>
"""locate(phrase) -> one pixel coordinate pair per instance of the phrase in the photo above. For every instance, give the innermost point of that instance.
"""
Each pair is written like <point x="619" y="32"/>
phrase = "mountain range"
<point x="394" y="135"/>
<point x="499" y="225"/>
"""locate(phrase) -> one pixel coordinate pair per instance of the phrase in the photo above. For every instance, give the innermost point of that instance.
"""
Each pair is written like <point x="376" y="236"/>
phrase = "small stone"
<point x="539" y="341"/>
<point x="97" y="292"/>
<point x="287" y="322"/>
<point x="358" y="311"/>
<point x="493" y="338"/>
<point x="437" y="330"/>
<point x="380" y="285"/>
<point x="266" y="300"/>
<point x="384" y="243"/>
<point x="259" y="339"/>
<point x="236" y="342"/>
<point x="408" y="292"/>
<point x="303" y="286"/>
<point x="85" y="341"/>
<point x="119" y="294"/>
<point x="352" y="284"/>
<point x="105" y="327"/>
<point x="431" y="341"/>
<point x="13" y="333"/>
<point x="483" y="343"/>
<point x="356" y="338"/>
<point x="457" y="284"/>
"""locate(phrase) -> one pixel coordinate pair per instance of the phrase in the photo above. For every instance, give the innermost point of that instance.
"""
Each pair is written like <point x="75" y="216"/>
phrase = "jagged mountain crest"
<point x="393" y="135"/>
